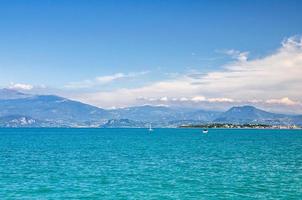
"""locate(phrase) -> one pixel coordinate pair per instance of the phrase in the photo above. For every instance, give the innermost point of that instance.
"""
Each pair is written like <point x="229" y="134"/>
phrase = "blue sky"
<point x="79" y="47"/>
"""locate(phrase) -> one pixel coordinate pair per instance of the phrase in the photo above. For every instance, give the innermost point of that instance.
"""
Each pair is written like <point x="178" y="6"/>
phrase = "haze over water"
<point x="136" y="164"/>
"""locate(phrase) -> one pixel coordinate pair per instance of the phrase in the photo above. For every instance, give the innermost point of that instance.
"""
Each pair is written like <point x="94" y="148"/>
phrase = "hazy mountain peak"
<point x="246" y="108"/>
<point x="7" y="93"/>
<point x="249" y="114"/>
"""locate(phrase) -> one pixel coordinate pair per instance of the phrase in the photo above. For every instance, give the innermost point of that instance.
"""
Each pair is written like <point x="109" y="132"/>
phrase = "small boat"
<point x="150" y="128"/>
<point x="205" y="131"/>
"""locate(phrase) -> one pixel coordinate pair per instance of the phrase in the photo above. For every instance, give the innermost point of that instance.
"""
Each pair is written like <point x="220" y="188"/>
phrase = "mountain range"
<point x="18" y="109"/>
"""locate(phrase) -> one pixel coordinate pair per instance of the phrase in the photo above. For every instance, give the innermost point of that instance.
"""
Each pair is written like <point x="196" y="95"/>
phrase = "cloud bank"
<point x="275" y="79"/>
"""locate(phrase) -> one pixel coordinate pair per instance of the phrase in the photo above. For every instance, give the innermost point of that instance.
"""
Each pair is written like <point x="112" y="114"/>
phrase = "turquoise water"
<point x="134" y="164"/>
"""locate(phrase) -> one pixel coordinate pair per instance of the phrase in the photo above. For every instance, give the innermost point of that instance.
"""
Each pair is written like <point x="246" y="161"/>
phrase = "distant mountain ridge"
<point x="163" y="113"/>
<point x="24" y="110"/>
<point x="54" y="109"/>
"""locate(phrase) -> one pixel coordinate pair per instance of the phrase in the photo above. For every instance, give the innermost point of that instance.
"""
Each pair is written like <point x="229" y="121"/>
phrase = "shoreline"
<point x="215" y="128"/>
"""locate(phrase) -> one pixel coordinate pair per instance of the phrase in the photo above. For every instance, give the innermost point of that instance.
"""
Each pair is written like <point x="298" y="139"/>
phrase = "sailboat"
<point x="150" y="128"/>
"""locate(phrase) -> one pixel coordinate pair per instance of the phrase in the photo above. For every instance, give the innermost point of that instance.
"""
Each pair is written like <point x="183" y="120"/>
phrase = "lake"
<point x="164" y="164"/>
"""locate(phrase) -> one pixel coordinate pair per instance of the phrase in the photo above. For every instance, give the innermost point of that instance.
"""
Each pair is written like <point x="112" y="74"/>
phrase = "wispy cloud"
<point x="103" y="80"/>
<point x="110" y="78"/>
<point x="275" y="78"/>
<point x="238" y="55"/>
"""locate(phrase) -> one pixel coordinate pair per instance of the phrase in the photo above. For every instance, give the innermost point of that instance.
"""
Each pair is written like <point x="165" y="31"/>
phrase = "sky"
<point x="207" y="54"/>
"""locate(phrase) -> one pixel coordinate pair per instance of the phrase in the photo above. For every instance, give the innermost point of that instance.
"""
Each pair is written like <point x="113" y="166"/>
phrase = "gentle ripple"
<point x="134" y="164"/>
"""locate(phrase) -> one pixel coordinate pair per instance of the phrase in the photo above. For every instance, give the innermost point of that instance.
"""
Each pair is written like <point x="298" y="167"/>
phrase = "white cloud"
<point x="273" y="76"/>
<point x="108" y="79"/>
<point x="221" y="100"/>
<point x="163" y="99"/>
<point x="263" y="80"/>
<point x="20" y="86"/>
<point x="284" y="101"/>
<point x="195" y="99"/>
<point x="198" y="98"/>
<point x="240" y="56"/>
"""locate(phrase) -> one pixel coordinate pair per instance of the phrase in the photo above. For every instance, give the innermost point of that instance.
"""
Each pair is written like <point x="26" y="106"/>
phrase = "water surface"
<point x="134" y="164"/>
